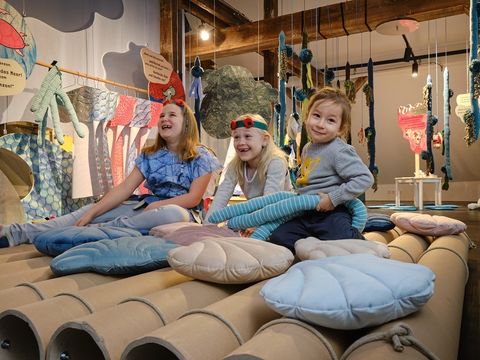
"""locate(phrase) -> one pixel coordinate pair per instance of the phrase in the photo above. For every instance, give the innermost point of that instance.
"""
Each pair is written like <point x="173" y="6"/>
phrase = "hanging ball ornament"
<point x="289" y="50"/>
<point x="329" y="75"/>
<point x="300" y="94"/>
<point x="306" y="55"/>
<point x="278" y="107"/>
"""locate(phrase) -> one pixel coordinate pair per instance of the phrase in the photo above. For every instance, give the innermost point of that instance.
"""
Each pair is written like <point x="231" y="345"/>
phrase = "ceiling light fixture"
<point x="203" y="32"/>
<point x="415" y="68"/>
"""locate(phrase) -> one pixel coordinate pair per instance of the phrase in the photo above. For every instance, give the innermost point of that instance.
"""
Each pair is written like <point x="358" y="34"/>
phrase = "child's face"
<point x="248" y="143"/>
<point x="170" y="125"/>
<point x="324" y="121"/>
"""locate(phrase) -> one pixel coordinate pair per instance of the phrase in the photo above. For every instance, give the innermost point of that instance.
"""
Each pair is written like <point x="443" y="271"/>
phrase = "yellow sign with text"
<point x="155" y="67"/>
<point x="12" y="77"/>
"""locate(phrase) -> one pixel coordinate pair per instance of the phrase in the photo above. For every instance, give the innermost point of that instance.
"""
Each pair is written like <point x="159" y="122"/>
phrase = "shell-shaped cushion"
<point x="167" y="229"/>
<point x="231" y="260"/>
<point x="312" y="248"/>
<point x="350" y="292"/>
<point x="425" y="224"/>
<point x="125" y="255"/>
<point x="55" y="241"/>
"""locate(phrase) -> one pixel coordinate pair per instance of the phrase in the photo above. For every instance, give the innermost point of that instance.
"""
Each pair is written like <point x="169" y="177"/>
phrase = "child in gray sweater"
<point x="330" y="168"/>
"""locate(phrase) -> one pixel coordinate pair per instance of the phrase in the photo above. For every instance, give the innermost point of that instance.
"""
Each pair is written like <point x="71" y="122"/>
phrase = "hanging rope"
<point x="447" y="95"/>
<point x="399" y="336"/>
<point x="370" y="132"/>
<point x="472" y="117"/>
<point x="431" y="121"/>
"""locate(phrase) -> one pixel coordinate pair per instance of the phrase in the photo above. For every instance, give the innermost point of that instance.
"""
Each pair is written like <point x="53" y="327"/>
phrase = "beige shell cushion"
<point x="428" y="225"/>
<point x="312" y="248"/>
<point x="230" y="260"/>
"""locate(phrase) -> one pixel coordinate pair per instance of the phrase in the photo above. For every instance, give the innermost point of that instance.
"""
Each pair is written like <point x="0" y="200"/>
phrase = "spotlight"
<point x="414" y="68"/>
<point x="204" y="33"/>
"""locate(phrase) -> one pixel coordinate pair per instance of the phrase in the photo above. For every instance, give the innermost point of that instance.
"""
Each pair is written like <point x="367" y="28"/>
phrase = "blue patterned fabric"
<point x="379" y="222"/>
<point x="268" y="212"/>
<point x="166" y="176"/>
<point x="124" y="255"/>
<point x="56" y="241"/>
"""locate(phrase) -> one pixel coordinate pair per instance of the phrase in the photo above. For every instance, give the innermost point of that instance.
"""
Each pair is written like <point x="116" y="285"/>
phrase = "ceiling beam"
<point x="219" y="10"/>
<point x="358" y="16"/>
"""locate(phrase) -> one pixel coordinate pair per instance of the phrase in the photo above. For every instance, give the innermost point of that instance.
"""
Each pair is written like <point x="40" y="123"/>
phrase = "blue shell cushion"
<point x="55" y="241"/>
<point x="379" y="222"/>
<point x="350" y="292"/>
<point x="125" y="255"/>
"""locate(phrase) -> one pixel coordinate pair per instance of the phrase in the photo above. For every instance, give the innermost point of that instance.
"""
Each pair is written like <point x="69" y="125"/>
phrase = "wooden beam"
<point x="204" y="15"/>
<point x="220" y="9"/>
<point x="171" y="33"/>
<point x="358" y="16"/>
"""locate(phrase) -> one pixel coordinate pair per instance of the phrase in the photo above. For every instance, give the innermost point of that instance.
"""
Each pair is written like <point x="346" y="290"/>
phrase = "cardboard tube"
<point x="287" y="339"/>
<point x="11" y="280"/>
<point x="407" y="247"/>
<point x="27" y="293"/>
<point x="209" y="333"/>
<point x="17" y="249"/>
<point x="24" y="265"/>
<point x="383" y="236"/>
<point x="29" y="328"/>
<point x="109" y="331"/>
<point x="436" y="327"/>
<point x="24" y="255"/>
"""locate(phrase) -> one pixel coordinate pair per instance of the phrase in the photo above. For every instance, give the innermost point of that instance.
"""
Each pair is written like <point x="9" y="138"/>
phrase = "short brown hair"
<point x="337" y="97"/>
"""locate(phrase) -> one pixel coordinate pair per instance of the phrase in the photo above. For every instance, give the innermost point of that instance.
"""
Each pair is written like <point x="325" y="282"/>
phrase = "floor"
<point x="470" y="333"/>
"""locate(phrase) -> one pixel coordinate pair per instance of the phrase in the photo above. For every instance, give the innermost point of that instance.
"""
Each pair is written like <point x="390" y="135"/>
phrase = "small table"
<point x="418" y="182"/>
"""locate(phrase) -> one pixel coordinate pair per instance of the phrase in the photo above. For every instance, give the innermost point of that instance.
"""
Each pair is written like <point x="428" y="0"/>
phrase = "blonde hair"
<point x="269" y="152"/>
<point x="337" y="97"/>
<point x="188" y="146"/>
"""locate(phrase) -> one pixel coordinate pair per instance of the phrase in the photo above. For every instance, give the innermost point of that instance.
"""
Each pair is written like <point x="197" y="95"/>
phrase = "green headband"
<point x="247" y="122"/>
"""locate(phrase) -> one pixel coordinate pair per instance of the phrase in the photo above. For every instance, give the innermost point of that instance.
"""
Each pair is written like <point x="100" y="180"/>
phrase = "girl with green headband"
<point x="259" y="166"/>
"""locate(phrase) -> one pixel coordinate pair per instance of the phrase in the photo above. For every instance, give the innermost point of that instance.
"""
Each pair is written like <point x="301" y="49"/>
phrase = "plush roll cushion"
<point x="350" y="292"/>
<point x="125" y="255"/>
<point x="312" y="248"/>
<point x="424" y="224"/>
<point x="379" y="222"/>
<point x="55" y="241"/>
<point x="230" y="260"/>
<point x="167" y="229"/>
<point x="190" y="234"/>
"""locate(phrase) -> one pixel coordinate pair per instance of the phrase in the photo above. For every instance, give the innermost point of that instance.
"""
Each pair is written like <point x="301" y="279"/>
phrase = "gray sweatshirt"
<point x="334" y="169"/>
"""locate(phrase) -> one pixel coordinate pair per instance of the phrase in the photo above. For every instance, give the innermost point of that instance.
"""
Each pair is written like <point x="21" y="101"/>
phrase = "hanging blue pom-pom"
<point x="306" y="55"/>
<point x="329" y="75"/>
<point x="289" y="50"/>
<point x="300" y="94"/>
<point x="475" y="66"/>
<point x="278" y="107"/>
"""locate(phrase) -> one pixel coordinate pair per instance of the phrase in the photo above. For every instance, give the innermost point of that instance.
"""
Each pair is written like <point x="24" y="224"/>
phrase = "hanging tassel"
<point x="196" y="90"/>
<point x="447" y="95"/>
<point x="431" y="121"/>
<point x="370" y="132"/>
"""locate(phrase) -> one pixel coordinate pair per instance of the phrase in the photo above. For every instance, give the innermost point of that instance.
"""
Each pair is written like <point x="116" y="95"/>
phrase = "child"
<point x="259" y="166"/>
<point x="330" y="168"/>
<point x="176" y="169"/>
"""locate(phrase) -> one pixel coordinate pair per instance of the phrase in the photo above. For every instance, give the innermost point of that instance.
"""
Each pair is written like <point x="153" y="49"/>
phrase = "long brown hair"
<point x="269" y="152"/>
<point x="188" y="146"/>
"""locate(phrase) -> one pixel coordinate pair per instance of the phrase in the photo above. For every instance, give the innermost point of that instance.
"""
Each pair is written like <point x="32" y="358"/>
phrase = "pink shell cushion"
<point x="167" y="229"/>
<point x="230" y="260"/>
<point x="186" y="233"/>
<point x="424" y="224"/>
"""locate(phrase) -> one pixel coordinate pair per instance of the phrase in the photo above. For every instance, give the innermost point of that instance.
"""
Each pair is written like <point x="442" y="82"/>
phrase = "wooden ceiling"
<point x="236" y="34"/>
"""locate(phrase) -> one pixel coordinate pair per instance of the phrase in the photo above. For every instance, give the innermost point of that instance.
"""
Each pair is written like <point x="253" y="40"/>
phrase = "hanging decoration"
<point x="370" y="132"/>
<point x="48" y="97"/>
<point x="196" y="89"/>
<point x="16" y="40"/>
<point x="284" y="52"/>
<point x="349" y="85"/>
<point x="307" y="86"/>
<point x="447" y="95"/>
<point x="472" y="117"/>
<point x="431" y="121"/>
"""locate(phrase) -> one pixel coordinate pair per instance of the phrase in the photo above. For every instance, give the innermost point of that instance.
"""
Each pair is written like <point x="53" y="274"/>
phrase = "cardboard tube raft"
<point x="435" y="329"/>
<point x="106" y="333"/>
<point x="209" y="333"/>
<point x="287" y="339"/>
<point x="27" y="329"/>
<point x="24" y="255"/>
<point x="407" y="247"/>
<point x="25" y="265"/>
<point x="27" y="293"/>
<point x="383" y="236"/>
<point x="11" y="280"/>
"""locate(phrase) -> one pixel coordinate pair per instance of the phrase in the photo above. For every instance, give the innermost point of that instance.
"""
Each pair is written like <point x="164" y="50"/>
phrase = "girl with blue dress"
<point x="176" y="169"/>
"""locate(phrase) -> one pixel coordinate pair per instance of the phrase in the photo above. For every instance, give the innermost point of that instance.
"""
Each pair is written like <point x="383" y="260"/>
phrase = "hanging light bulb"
<point x="203" y="31"/>
<point x="415" y="69"/>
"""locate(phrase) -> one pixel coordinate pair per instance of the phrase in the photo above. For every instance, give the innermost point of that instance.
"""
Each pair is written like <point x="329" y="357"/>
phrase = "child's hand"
<point x="325" y="204"/>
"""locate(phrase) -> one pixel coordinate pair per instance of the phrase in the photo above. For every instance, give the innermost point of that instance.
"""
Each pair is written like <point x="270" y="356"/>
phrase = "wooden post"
<point x="171" y="33"/>
<point x="270" y="58"/>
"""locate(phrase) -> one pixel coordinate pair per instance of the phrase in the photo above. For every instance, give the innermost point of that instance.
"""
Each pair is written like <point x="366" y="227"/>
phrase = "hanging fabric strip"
<point x="447" y="94"/>
<point x="370" y="132"/>
<point x="472" y="118"/>
<point x="431" y="121"/>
